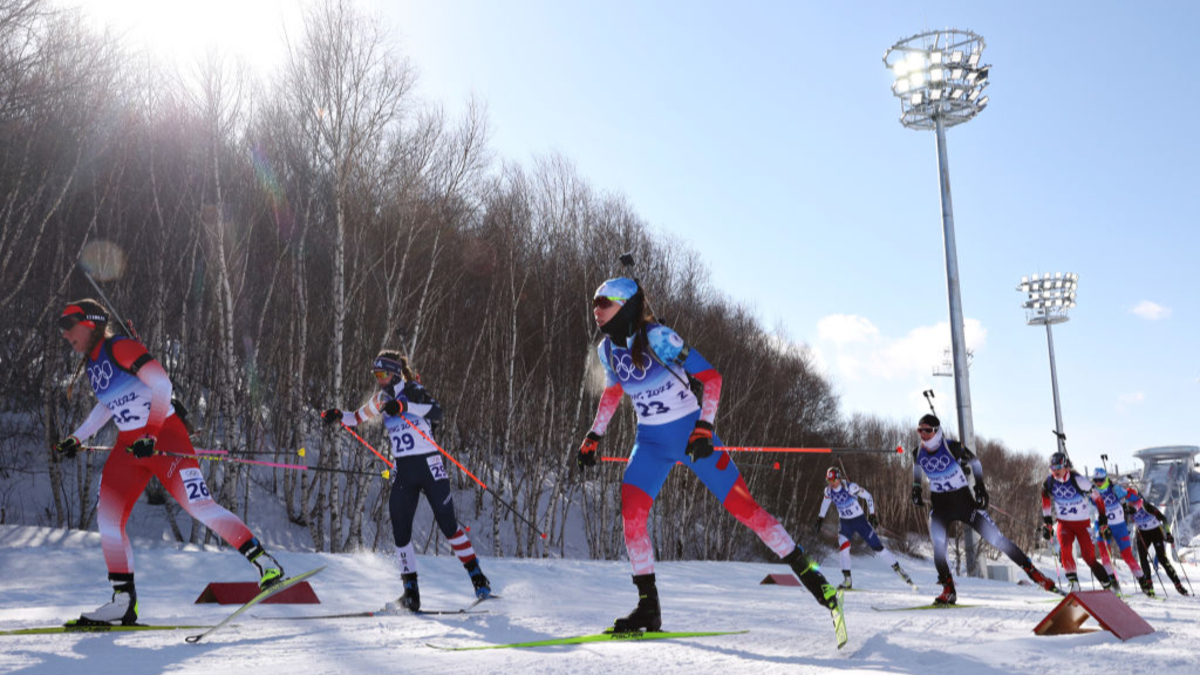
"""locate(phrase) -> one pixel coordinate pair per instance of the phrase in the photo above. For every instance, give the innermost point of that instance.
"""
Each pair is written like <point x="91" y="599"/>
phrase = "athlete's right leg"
<point x="937" y="534"/>
<point x="121" y="484"/>
<point x="402" y="506"/>
<point x="122" y="481"/>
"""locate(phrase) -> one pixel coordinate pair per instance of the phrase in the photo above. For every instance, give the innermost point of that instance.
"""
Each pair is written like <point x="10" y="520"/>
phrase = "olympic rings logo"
<point x="626" y="370"/>
<point x="100" y="376"/>
<point x="936" y="463"/>
<point x="1064" y="491"/>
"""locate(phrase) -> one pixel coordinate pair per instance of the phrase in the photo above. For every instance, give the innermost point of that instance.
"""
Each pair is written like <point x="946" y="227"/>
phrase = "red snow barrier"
<point x="241" y="592"/>
<point x="780" y="579"/>
<point x="1108" y="610"/>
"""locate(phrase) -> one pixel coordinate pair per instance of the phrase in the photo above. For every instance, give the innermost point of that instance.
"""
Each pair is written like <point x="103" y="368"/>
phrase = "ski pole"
<point x="774" y="466"/>
<point x="1183" y="567"/>
<point x="737" y="448"/>
<point x="369" y="446"/>
<point x="221" y="456"/>
<point x="481" y="484"/>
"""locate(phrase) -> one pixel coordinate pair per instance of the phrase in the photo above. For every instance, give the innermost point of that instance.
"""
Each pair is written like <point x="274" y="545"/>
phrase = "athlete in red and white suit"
<point x="134" y="391"/>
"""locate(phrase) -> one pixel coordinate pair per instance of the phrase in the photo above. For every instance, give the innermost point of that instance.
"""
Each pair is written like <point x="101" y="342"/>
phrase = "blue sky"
<point x="765" y="135"/>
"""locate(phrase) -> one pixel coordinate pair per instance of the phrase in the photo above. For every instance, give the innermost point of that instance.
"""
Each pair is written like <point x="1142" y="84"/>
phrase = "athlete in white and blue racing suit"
<point x="409" y="413"/>
<point x="675" y="393"/>
<point x="1115" y="497"/>
<point x="851" y="521"/>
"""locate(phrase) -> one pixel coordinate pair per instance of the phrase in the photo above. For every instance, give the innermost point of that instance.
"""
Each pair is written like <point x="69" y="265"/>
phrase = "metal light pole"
<point x="940" y="82"/>
<point x="1048" y="297"/>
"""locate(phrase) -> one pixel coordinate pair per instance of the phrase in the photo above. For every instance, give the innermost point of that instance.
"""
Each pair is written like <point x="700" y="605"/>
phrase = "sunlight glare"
<point x="183" y="31"/>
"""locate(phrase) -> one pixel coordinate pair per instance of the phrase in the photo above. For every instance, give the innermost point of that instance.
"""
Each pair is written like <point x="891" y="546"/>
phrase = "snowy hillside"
<point x="50" y="576"/>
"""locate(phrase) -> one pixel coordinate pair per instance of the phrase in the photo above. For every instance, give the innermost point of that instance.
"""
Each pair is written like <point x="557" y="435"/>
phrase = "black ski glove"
<point x="817" y="525"/>
<point x="589" y="450"/>
<point x="916" y="496"/>
<point x="142" y="448"/>
<point x="1047" y="527"/>
<point x="395" y="407"/>
<point x="981" y="495"/>
<point x="873" y="519"/>
<point x="332" y="417"/>
<point x="68" y="447"/>
<point x="700" y="445"/>
<point x="1168" y="537"/>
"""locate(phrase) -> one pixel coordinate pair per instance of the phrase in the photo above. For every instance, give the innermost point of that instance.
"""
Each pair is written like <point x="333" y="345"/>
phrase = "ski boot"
<point x="483" y="588"/>
<point x="647" y="616"/>
<point x="411" y="598"/>
<point x="1040" y="579"/>
<point x="847" y="583"/>
<point x="270" y="572"/>
<point x="1073" y="581"/>
<point x="122" y="609"/>
<point x="903" y="575"/>
<point x="810" y="575"/>
<point x="948" y="596"/>
<point x="1179" y="587"/>
<point x="1113" y="585"/>
<point x="1147" y="585"/>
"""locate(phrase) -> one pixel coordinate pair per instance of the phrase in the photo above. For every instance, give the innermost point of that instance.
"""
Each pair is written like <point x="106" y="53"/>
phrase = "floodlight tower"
<point x="940" y="79"/>
<point x="1048" y="297"/>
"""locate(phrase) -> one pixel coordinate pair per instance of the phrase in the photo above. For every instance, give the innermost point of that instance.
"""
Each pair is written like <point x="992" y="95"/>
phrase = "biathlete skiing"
<point x="851" y="521"/>
<point x="409" y="413"/>
<point x="943" y="461"/>
<point x="133" y="390"/>
<point x="1071" y="498"/>
<point x="675" y="393"/>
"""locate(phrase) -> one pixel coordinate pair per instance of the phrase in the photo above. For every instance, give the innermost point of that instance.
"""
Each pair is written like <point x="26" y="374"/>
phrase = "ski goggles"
<point x="75" y="315"/>
<point x="606" y="301"/>
<point x="1059" y="466"/>
<point x="384" y="368"/>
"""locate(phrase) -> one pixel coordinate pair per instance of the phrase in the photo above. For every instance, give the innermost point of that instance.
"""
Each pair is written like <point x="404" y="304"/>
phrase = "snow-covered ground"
<point x="50" y="576"/>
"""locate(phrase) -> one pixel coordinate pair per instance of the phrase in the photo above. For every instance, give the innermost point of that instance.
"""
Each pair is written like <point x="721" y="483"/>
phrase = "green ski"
<point x="839" y="620"/>
<point x="277" y="588"/>
<point x="905" y="609"/>
<point x="601" y="637"/>
<point x="73" y="627"/>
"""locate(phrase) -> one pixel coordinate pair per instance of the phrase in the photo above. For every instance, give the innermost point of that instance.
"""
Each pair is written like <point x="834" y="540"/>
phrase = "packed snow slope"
<point x="50" y="576"/>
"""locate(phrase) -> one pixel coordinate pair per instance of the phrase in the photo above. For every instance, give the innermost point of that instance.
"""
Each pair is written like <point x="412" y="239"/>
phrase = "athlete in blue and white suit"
<point x="675" y="393"/>
<point x="1115" y="497"/>
<point x="942" y="461"/>
<point x="851" y="521"/>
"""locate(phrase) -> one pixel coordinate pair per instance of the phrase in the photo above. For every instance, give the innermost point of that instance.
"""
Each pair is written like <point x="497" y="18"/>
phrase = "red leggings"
<point x="125" y="477"/>
<point x="1070" y="531"/>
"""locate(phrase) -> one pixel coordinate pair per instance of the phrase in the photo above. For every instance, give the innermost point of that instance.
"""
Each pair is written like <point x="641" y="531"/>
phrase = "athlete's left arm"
<point x="132" y="355"/>
<point x="964" y="456"/>
<point x="858" y="491"/>
<point x="702" y="370"/>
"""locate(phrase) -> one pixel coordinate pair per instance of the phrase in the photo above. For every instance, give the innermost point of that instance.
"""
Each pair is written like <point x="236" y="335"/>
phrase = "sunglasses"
<point x="605" y="301"/>
<point x="926" y="430"/>
<point x="1057" y="467"/>
<point x="382" y="375"/>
